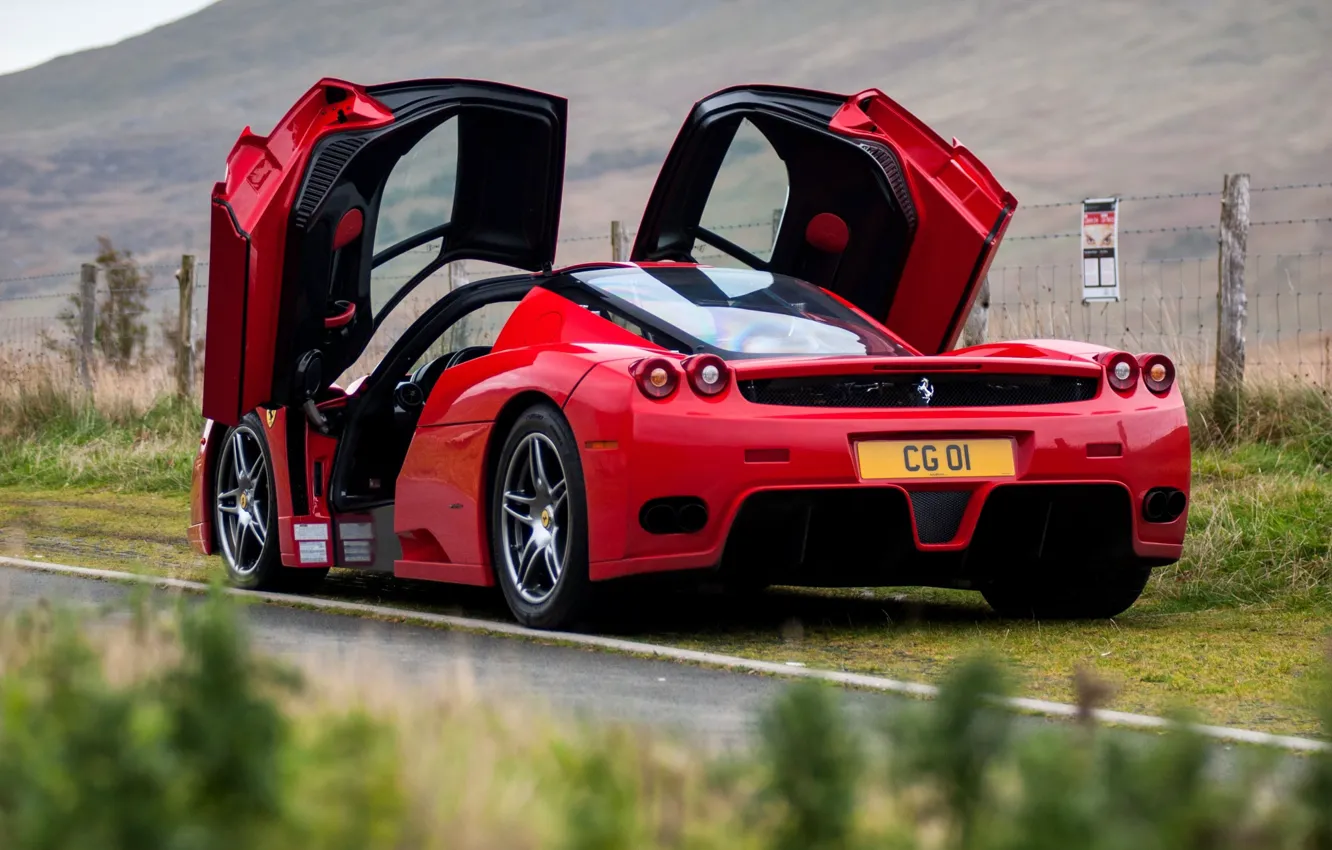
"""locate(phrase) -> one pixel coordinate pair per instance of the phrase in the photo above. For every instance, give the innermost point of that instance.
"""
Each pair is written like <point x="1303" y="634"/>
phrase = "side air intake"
<point x="328" y="163"/>
<point x="892" y="169"/>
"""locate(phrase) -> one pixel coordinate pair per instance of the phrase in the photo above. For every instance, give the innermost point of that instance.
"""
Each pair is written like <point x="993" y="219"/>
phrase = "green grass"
<point x="51" y="437"/>
<point x="1258" y="532"/>
<point x="1242" y="665"/>
<point x="1236" y="628"/>
<point x="1258" y="526"/>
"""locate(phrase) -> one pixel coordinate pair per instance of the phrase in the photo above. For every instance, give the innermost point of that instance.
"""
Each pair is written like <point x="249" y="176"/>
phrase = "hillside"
<point x="1062" y="98"/>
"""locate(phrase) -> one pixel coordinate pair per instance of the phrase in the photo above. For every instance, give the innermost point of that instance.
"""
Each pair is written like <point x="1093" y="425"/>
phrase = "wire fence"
<point x="1171" y="307"/>
<point x="1168" y="280"/>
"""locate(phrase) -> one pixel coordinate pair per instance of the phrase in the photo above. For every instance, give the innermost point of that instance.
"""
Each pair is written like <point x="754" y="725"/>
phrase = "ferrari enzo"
<point x="791" y="414"/>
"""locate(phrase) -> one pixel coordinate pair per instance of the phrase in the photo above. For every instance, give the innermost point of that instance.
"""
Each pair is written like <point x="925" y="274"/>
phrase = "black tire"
<point x="549" y="524"/>
<point x="250" y="564"/>
<point x="1069" y="595"/>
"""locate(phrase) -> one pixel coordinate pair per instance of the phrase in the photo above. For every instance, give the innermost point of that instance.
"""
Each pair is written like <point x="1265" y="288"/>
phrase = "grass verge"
<point x="1235" y="628"/>
<point x="1251" y="666"/>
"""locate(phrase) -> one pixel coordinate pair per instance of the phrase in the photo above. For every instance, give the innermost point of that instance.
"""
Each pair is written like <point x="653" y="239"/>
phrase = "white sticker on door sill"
<point x="313" y="552"/>
<point x="357" y="551"/>
<point x="310" y="531"/>
<point x="356" y="531"/>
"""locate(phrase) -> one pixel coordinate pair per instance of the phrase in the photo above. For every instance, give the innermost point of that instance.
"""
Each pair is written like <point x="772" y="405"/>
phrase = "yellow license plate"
<point x="898" y="459"/>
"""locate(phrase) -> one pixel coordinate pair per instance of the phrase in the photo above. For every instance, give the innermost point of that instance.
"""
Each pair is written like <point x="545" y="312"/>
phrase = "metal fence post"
<point x="185" y="343"/>
<point x="1231" y="301"/>
<point x="87" y="322"/>
<point x="619" y="250"/>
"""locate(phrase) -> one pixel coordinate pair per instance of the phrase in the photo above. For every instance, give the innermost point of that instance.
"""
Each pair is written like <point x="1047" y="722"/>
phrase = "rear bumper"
<point x="782" y="489"/>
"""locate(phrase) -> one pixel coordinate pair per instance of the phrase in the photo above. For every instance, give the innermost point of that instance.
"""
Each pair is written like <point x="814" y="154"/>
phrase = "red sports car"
<point x="791" y="415"/>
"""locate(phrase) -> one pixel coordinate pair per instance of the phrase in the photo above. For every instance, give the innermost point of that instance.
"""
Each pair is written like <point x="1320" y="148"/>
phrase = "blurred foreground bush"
<point x="178" y="736"/>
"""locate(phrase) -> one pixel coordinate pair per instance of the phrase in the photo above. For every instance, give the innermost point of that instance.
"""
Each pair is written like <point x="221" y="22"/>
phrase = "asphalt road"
<point x="717" y="708"/>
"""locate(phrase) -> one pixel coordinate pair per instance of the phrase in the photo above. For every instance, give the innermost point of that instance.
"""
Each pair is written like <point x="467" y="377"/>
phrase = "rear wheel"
<point x="539" y="522"/>
<point x="1067" y="595"/>
<point x="245" y="514"/>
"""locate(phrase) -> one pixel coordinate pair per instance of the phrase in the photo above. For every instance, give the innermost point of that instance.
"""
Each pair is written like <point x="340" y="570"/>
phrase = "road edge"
<point x="1045" y="708"/>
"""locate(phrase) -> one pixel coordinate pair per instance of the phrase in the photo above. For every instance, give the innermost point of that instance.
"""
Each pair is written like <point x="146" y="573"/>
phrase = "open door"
<point x="851" y="193"/>
<point x="306" y="214"/>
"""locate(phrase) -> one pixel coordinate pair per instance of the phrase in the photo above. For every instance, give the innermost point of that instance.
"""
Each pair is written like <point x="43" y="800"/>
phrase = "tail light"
<point x="1121" y="370"/>
<point x="656" y="377"/>
<point x="1158" y="373"/>
<point x="708" y="374"/>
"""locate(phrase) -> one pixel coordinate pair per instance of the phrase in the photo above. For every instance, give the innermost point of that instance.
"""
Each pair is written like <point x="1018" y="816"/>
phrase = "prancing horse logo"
<point x="925" y="390"/>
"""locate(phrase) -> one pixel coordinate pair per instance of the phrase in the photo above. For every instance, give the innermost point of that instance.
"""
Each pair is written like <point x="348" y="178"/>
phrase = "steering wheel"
<point x="429" y="369"/>
<point x="427" y="373"/>
<point x="462" y="355"/>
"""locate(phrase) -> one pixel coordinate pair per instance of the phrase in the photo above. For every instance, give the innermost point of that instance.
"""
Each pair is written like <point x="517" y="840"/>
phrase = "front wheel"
<point x="1068" y="594"/>
<point x="539" y="521"/>
<point x="245" y="514"/>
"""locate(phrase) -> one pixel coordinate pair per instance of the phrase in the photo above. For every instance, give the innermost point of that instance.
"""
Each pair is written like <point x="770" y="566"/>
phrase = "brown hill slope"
<point x="1060" y="97"/>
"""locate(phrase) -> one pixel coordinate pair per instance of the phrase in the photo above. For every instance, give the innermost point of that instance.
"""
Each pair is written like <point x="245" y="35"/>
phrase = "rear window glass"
<point x="745" y="312"/>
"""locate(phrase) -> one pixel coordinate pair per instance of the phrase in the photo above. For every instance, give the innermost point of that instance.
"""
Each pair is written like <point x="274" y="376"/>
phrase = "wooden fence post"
<point x="977" y="329"/>
<point x="619" y="246"/>
<point x="185" y="343"/>
<point x="87" y="322"/>
<point x="1231" y="301"/>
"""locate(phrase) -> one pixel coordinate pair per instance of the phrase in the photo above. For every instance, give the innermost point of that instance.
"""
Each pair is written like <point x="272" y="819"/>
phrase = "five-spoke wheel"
<point x="539" y="527"/>
<point x="241" y="506"/>
<point x="245" y="514"/>
<point x="535" y="503"/>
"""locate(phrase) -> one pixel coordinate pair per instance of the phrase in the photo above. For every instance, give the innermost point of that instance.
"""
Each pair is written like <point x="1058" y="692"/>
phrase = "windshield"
<point x="745" y="312"/>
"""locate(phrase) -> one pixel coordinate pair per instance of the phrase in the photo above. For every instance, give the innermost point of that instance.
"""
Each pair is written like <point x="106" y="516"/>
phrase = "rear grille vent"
<point x="328" y="164"/>
<point x="936" y="390"/>
<point x="938" y="513"/>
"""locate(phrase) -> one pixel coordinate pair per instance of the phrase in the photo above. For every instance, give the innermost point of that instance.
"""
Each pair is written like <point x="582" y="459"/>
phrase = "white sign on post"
<point x="1100" y="254"/>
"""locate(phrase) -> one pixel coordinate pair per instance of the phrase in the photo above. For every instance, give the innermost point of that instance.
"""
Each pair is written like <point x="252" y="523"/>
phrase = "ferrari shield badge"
<point x="270" y="416"/>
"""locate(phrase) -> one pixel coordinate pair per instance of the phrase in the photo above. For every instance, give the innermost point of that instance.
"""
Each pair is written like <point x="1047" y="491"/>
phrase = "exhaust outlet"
<point x="659" y="518"/>
<point x="1154" y="506"/>
<point x="1163" y="504"/>
<point x="1176" y="504"/>
<point x="674" y="515"/>
<point x="692" y="516"/>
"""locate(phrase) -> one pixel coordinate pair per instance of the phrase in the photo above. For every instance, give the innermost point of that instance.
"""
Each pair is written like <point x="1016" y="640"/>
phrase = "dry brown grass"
<point x="33" y="388"/>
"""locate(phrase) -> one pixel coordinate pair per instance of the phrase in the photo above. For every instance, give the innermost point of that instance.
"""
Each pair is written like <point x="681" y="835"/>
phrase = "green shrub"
<point x="814" y="764"/>
<point x="603" y="798"/>
<point x="953" y="745"/>
<point x="195" y="742"/>
<point x="198" y="755"/>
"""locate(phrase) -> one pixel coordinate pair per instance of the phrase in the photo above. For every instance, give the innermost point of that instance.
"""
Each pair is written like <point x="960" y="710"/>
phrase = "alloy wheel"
<point x="241" y="507"/>
<point x="535" y="518"/>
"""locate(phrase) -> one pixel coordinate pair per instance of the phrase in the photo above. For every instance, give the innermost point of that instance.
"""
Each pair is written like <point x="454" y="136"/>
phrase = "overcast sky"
<point x="37" y="30"/>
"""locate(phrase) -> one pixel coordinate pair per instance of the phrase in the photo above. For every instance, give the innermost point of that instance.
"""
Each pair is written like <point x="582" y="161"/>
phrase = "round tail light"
<point x="656" y="377"/>
<point x="1158" y="373"/>
<point x="708" y="374"/>
<point x="1121" y="370"/>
